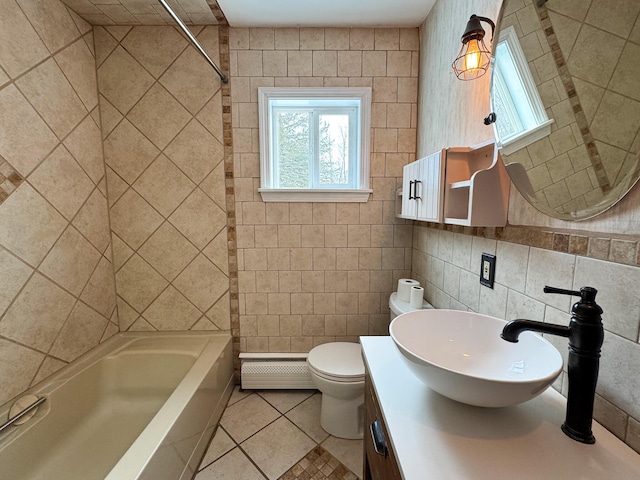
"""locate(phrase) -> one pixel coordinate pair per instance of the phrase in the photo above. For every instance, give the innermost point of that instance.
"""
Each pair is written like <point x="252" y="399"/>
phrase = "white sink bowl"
<point x="461" y="356"/>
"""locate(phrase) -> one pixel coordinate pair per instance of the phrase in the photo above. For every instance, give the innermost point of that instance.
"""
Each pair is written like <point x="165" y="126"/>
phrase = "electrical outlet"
<point x="487" y="270"/>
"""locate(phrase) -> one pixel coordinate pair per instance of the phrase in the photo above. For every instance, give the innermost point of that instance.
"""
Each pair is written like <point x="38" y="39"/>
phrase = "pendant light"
<point x="473" y="60"/>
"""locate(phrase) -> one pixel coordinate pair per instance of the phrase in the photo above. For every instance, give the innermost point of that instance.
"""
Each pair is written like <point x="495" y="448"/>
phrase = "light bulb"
<point x="472" y="58"/>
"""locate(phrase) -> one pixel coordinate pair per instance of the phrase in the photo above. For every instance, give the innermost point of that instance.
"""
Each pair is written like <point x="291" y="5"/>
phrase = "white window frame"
<point x="360" y="192"/>
<point x="543" y="127"/>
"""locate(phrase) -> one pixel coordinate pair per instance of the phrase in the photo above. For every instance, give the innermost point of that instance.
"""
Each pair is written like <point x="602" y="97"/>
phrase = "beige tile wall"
<point x="161" y="109"/>
<point x="448" y="265"/>
<point x="57" y="296"/>
<point x="316" y="272"/>
<point x="448" y="262"/>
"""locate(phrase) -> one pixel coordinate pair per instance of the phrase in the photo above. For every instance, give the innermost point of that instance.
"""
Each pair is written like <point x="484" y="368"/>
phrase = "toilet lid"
<point x="337" y="359"/>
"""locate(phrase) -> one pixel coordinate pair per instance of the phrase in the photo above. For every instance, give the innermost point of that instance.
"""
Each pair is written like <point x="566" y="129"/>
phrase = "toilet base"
<point x="343" y="418"/>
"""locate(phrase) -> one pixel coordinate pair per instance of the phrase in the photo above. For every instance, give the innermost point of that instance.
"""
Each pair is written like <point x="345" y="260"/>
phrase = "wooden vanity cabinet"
<point x="379" y="459"/>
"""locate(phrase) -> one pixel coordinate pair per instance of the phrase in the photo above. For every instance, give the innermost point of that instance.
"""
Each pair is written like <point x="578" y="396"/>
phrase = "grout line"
<point x="280" y="416"/>
<point x="218" y="428"/>
<point x="254" y="463"/>
<point x="258" y="392"/>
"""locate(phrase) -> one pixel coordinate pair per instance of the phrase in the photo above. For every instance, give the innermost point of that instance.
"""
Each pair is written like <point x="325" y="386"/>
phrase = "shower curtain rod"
<point x="195" y="42"/>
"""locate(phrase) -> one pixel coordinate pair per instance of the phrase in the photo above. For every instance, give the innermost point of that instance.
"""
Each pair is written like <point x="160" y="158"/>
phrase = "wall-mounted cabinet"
<point x="422" y="188"/>
<point x="460" y="185"/>
<point x="476" y="187"/>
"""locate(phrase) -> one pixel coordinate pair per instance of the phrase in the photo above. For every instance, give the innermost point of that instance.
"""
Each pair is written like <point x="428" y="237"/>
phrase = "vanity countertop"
<point x="437" y="438"/>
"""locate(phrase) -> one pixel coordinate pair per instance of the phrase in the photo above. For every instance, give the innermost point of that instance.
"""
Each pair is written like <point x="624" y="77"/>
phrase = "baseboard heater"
<point x="275" y="371"/>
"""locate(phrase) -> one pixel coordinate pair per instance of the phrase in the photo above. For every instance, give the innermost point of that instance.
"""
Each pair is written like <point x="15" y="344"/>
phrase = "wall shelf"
<point x="476" y="187"/>
<point x="460" y="185"/>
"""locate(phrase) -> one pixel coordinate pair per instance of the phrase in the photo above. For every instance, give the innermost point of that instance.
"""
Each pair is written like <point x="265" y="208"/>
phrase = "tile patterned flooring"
<point x="276" y="434"/>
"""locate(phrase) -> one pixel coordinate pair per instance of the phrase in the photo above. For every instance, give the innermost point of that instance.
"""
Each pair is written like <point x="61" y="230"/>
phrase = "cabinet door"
<point x="430" y="188"/>
<point x="409" y="176"/>
<point x="379" y="459"/>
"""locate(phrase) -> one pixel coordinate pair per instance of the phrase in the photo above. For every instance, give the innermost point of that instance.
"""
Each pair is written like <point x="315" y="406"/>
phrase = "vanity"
<point x="422" y="435"/>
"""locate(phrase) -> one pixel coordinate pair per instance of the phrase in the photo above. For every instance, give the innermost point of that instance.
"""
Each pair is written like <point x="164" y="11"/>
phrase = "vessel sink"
<point x="461" y="356"/>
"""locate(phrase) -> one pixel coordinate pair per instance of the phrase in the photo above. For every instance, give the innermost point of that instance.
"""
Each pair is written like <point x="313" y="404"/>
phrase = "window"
<point x="314" y="144"/>
<point x="522" y="118"/>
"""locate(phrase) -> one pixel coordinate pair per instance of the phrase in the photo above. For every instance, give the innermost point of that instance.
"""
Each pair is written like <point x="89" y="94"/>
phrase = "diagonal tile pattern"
<point x="51" y="94"/>
<point x="69" y="191"/>
<point x="164" y="185"/>
<point x="71" y="261"/>
<point x="122" y="144"/>
<point x="154" y="47"/>
<point x="57" y="295"/>
<point x="52" y="21"/>
<point x="9" y="180"/>
<point x="192" y="150"/>
<point x="275" y="434"/>
<point x="85" y="145"/>
<point x="194" y="94"/>
<point x="167" y="217"/>
<point x="25" y="138"/>
<point x="582" y="58"/>
<point x="159" y="116"/>
<point x="198" y="218"/>
<point x="274" y="458"/>
<point x="168" y="250"/>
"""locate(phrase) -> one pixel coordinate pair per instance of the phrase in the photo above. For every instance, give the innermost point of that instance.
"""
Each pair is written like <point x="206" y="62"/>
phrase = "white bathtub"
<point x="139" y="406"/>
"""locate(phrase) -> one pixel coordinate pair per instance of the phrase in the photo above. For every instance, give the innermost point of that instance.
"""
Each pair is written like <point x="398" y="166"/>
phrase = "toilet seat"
<point x="337" y="379"/>
<point x="337" y="361"/>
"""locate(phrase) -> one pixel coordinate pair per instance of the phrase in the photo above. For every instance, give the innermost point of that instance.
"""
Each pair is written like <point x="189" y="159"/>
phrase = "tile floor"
<point x="276" y="434"/>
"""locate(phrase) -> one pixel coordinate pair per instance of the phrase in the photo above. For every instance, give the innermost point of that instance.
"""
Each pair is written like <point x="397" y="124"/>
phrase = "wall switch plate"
<point x="487" y="270"/>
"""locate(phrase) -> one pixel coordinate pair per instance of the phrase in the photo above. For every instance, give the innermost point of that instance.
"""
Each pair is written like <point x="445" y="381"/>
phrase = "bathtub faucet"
<point x="586" y="334"/>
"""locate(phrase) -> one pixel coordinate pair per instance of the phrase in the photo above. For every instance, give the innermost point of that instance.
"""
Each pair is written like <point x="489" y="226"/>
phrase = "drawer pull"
<point x="379" y="444"/>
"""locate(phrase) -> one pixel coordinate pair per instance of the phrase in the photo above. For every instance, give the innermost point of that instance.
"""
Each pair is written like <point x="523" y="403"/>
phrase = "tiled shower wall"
<point x="315" y="272"/>
<point x="448" y="261"/>
<point x="161" y="108"/>
<point x="57" y="296"/>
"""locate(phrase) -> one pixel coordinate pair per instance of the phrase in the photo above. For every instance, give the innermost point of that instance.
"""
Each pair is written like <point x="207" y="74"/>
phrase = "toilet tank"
<point x="396" y="307"/>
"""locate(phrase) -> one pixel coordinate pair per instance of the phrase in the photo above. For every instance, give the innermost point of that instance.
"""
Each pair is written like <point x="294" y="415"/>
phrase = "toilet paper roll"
<point x="404" y="288"/>
<point x="416" y="298"/>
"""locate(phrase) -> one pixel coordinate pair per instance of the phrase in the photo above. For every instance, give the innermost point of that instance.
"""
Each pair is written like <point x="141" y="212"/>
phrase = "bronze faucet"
<point x="586" y="334"/>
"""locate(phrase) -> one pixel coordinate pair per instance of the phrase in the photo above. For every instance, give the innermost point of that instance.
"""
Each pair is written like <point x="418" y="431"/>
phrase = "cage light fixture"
<point x="474" y="58"/>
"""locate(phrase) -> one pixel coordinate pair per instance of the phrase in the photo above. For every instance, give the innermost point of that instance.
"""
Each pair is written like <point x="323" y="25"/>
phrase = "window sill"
<point x="308" y="195"/>
<point x="527" y="138"/>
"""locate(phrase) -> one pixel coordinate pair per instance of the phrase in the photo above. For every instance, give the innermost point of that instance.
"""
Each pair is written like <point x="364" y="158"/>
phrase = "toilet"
<point x="398" y="307"/>
<point x="337" y="370"/>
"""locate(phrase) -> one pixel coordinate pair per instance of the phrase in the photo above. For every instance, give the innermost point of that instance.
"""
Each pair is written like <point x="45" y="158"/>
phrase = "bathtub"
<point x="139" y="406"/>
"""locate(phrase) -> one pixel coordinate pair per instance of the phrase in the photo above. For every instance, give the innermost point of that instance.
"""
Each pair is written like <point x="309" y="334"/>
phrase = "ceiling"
<point x="257" y="13"/>
<point x="326" y="13"/>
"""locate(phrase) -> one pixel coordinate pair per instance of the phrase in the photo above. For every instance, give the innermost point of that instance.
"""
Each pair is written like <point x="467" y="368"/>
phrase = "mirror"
<point x="579" y="156"/>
